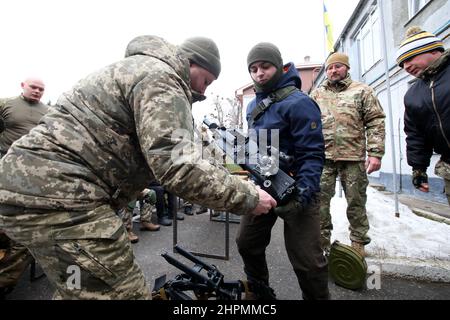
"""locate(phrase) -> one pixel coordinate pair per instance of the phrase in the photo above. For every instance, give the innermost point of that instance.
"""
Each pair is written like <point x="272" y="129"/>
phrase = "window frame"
<point x="370" y="50"/>
<point x="415" y="6"/>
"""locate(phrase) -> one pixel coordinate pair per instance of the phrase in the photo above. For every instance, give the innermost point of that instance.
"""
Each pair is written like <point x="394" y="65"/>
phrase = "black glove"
<point x="419" y="177"/>
<point x="292" y="206"/>
<point x="298" y="203"/>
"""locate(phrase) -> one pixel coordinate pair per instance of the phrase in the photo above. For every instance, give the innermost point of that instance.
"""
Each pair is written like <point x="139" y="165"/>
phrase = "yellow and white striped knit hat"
<point x="417" y="42"/>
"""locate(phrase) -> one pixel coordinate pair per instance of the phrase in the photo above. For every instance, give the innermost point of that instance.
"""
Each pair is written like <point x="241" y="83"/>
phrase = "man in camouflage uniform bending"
<point x="351" y="115"/>
<point x="107" y="139"/>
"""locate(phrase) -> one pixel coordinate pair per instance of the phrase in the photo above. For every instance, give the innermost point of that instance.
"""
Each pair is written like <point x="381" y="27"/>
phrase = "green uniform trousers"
<point x="442" y="169"/>
<point x="85" y="254"/>
<point x="353" y="177"/>
<point x="126" y="214"/>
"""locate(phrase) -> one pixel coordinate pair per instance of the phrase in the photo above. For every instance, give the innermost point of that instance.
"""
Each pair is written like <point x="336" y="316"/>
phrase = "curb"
<point x="430" y="215"/>
<point x="434" y="271"/>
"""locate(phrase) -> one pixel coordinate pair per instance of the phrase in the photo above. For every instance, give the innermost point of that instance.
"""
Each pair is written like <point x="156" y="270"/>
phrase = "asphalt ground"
<point x="200" y="234"/>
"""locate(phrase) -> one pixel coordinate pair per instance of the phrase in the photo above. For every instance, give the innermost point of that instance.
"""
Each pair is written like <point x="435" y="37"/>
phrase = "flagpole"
<point x="329" y="41"/>
<point x="325" y="40"/>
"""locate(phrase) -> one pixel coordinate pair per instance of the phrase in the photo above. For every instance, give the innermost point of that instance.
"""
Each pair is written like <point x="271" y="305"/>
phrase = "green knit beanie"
<point x="267" y="52"/>
<point x="204" y="52"/>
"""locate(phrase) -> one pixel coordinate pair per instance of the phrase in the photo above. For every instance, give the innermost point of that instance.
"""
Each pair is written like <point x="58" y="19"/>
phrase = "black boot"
<point x="164" y="221"/>
<point x="180" y="216"/>
<point x="202" y="210"/>
<point x="188" y="210"/>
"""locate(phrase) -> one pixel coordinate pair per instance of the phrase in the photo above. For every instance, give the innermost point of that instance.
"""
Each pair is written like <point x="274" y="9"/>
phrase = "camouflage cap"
<point x="204" y="52"/>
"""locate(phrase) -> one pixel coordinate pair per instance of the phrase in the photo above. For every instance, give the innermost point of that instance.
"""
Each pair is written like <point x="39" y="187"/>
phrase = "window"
<point x="414" y="6"/>
<point x="369" y="38"/>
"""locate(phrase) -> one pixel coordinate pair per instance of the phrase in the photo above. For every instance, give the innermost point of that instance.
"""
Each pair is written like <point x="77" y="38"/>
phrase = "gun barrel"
<point x="189" y="271"/>
<point x="193" y="258"/>
<point x="211" y="125"/>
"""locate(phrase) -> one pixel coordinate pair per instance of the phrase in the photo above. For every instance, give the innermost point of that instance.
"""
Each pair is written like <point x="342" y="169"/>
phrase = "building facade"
<point x="372" y="54"/>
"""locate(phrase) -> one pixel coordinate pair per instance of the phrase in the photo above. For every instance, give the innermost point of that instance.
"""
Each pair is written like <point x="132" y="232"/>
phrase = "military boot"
<point x="359" y="247"/>
<point x="202" y="210"/>
<point x="132" y="237"/>
<point x="179" y="216"/>
<point x="148" y="226"/>
<point x="188" y="210"/>
<point x="164" y="221"/>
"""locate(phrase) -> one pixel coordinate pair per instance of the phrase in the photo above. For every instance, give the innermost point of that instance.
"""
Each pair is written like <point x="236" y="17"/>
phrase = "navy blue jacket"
<point x="297" y="118"/>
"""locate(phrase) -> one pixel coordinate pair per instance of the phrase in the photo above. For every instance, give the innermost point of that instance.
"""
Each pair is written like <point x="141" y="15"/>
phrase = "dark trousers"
<point x="161" y="210"/>
<point x="15" y="261"/>
<point x="302" y="241"/>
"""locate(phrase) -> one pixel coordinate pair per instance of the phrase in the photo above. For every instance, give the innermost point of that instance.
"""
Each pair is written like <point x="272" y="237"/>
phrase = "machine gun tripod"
<point x="194" y="284"/>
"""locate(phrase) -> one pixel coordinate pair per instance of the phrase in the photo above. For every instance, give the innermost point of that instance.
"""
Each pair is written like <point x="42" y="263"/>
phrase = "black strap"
<point x="265" y="104"/>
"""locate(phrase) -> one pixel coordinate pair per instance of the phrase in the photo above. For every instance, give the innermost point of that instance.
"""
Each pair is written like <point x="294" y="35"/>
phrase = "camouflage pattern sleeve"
<point x="164" y="126"/>
<point x="374" y="121"/>
<point x="313" y="95"/>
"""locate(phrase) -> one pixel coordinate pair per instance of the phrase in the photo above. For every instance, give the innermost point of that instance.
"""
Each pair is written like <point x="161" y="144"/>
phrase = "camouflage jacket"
<point x="114" y="133"/>
<point x="351" y="113"/>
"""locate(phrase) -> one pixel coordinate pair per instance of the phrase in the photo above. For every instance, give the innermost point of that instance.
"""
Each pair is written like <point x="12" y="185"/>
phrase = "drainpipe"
<point x="401" y="156"/>
<point x="388" y="90"/>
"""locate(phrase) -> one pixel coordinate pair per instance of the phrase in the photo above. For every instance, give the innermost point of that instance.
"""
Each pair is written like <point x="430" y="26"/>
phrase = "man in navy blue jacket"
<point x="295" y="118"/>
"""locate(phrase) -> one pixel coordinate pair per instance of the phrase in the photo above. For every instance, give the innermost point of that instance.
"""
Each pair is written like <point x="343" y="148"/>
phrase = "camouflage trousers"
<point x="442" y="170"/>
<point x="126" y="214"/>
<point x="354" y="181"/>
<point x="15" y="261"/>
<point x="85" y="254"/>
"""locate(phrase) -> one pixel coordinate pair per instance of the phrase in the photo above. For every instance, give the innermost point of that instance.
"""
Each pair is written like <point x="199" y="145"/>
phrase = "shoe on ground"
<point x="132" y="237"/>
<point x="188" y="211"/>
<point x="148" y="226"/>
<point x="359" y="247"/>
<point x="164" y="221"/>
<point x="202" y="210"/>
<point x="180" y="216"/>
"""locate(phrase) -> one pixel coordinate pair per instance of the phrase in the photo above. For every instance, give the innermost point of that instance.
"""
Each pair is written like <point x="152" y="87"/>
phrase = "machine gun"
<point x="265" y="169"/>
<point x="210" y="283"/>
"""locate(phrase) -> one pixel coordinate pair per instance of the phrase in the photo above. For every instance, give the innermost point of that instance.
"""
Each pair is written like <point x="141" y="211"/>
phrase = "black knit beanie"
<point x="267" y="52"/>
<point x="204" y="52"/>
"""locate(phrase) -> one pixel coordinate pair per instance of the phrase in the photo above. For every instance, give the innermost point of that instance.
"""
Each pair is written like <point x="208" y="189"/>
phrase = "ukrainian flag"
<point x="328" y="29"/>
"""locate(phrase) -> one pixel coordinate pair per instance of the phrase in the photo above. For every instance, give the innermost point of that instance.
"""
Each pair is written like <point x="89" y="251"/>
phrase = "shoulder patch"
<point x="313" y="125"/>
